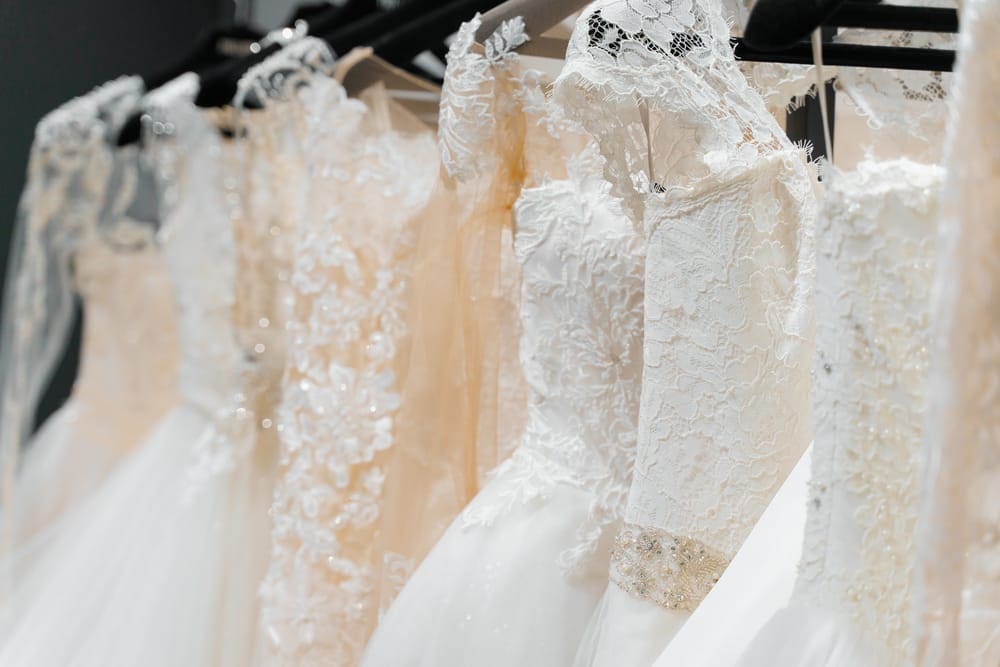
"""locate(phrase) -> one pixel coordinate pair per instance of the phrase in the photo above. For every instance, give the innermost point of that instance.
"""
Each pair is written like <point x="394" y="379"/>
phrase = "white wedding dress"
<point x="72" y="239"/>
<point x="727" y="207"/>
<point x="515" y="579"/>
<point x="161" y="565"/>
<point x="894" y="101"/>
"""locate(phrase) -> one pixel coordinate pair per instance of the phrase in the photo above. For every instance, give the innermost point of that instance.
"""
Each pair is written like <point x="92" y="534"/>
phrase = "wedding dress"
<point x="160" y="566"/>
<point x="515" y="578"/>
<point x="852" y="603"/>
<point x="727" y="207"/>
<point x="957" y="597"/>
<point x="373" y="171"/>
<point x="75" y="239"/>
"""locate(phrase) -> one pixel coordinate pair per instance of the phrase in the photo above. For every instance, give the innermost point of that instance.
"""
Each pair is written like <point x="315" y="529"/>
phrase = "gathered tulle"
<point x="144" y="572"/>
<point x="495" y="595"/>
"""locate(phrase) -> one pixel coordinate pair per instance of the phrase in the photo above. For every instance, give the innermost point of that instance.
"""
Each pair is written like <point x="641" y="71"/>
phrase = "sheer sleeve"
<point x="68" y="171"/>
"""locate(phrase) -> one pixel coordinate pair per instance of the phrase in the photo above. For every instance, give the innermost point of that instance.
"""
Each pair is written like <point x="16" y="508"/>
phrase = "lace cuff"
<point x="668" y="570"/>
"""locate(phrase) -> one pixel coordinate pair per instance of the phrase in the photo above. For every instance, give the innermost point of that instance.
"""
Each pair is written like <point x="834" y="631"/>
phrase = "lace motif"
<point x="728" y="315"/>
<point x="337" y="418"/>
<point x="580" y="348"/>
<point x="670" y="571"/>
<point x="199" y="246"/>
<point x="470" y="103"/>
<point x="658" y="85"/>
<point x="876" y="242"/>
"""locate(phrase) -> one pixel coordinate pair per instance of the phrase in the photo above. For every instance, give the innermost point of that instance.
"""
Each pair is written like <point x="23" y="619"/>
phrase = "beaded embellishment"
<point x="667" y="570"/>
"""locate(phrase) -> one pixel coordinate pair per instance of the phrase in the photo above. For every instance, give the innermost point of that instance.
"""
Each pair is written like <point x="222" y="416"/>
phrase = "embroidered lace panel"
<point x="728" y="210"/>
<point x="876" y="264"/>
<point x="581" y="262"/>
<point x="347" y="332"/>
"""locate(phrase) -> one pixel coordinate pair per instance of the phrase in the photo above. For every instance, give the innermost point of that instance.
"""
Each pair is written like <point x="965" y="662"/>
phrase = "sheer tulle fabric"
<point x="67" y="173"/>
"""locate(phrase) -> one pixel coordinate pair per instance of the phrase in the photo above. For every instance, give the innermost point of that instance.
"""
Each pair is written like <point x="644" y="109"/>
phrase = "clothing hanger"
<point x="217" y="84"/>
<point x="779" y="24"/>
<point x="769" y="38"/>
<point x="539" y="16"/>
<point x="367" y="30"/>
<point x="220" y="44"/>
<point x="362" y="69"/>
<point x="852" y="55"/>
<point x="404" y="42"/>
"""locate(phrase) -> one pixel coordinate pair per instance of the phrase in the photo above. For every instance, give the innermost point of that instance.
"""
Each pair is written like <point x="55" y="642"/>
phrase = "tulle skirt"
<point x="495" y="594"/>
<point x="150" y="569"/>
<point x="64" y="462"/>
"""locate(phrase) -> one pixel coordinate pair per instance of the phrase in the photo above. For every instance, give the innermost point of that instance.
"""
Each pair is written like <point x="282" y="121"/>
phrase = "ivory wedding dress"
<point x="514" y="580"/>
<point x="957" y="600"/>
<point x="161" y="565"/>
<point x="373" y="173"/>
<point x="878" y="198"/>
<point x="876" y="263"/>
<point x="727" y="207"/>
<point x="76" y="238"/>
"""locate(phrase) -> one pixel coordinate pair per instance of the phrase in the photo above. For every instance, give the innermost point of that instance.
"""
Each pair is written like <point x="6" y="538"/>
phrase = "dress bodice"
<point x="128" y="362"/>
<point x="581" y="341"/>
<point x="581" y="260"/>
<point x="198" y="242"/>
<point x="874" y="275"/>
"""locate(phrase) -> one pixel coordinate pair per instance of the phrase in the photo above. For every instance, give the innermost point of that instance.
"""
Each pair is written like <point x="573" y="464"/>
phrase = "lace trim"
<point x="470" y="106"/>
<point x="280" y="75"/>
<point x="668" y="570"/>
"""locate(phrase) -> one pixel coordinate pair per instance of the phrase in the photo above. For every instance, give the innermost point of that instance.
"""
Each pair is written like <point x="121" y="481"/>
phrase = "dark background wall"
<point x="52" y="50"/>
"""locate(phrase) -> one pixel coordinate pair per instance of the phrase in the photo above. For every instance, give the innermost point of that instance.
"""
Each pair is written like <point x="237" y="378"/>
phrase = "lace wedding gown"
<point x="878" y="200"/>
<point x="160" y="566"/>
<point x="727" y="207"/>
<point x="514" y="580"/>
<point x="75" y="238"/>
<point x="761" y="579"/>
<point x="957" y="597"/>
<point x="373" y="173"/>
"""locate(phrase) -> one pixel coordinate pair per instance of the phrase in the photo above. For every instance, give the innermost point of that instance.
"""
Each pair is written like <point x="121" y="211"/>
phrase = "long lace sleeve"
<point x="728" y="211"/>
<point x="67" y="175"/>
<point x="958" y="567"/>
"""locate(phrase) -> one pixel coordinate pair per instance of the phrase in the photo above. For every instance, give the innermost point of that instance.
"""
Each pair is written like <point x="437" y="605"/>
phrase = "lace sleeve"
<point x="67" y="175"/>
<point x="658" y="86"/>
<point x="909" y="100"/>
<point x="958" y="608"/>
<point x="728" y="209"/>
<point x="341" y="389"/>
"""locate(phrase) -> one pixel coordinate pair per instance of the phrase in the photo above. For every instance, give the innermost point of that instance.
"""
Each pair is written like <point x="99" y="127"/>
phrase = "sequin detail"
<point x="668" y="570"/>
